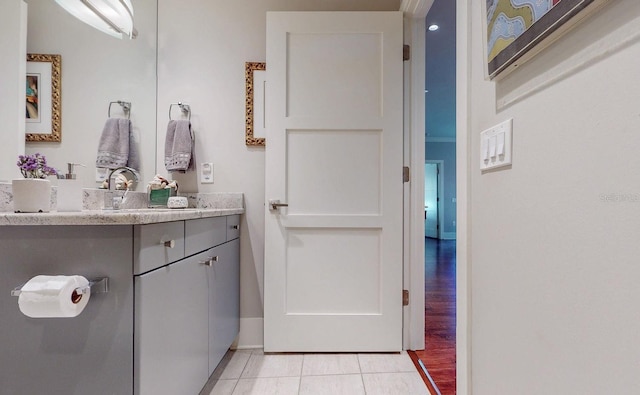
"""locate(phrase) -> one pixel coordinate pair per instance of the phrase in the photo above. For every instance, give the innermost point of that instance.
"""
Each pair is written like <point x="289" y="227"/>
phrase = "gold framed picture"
<point x="42" y="105"/>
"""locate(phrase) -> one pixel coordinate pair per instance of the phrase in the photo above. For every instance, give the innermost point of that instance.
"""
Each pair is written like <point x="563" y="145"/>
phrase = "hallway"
<point x="439" y="356"/>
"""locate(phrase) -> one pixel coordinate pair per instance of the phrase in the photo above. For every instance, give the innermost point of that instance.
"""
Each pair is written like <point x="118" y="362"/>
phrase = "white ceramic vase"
<point x="31" y="195"/>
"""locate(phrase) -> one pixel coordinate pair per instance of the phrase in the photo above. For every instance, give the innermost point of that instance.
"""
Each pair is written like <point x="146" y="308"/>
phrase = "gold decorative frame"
<point x="249" y="68"/>
<point x="52" y="104"/>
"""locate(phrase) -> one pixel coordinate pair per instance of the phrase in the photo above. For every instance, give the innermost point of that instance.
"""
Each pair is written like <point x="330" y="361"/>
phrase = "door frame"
<point x="440" y="164"/>
<point x="415" y="14"/>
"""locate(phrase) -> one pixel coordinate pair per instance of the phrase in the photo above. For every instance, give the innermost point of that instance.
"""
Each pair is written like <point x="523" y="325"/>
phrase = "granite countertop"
<point x="114" y="217"/>
<point x="134" y="210"/>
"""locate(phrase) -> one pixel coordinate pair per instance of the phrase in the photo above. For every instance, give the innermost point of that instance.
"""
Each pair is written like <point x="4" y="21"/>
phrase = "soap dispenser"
<point x="69" y="190"/>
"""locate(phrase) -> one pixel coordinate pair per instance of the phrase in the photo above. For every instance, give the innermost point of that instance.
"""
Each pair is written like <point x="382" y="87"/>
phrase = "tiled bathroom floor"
<point x="253" y="372"/>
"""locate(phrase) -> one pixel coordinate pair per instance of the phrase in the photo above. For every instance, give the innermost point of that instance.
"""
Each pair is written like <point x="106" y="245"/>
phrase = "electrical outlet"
<point x="206" y="173"/>
<point x="101" y="174"/>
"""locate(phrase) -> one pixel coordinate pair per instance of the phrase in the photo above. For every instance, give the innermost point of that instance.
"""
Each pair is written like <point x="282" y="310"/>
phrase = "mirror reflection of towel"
<point x="179" y="146"/>
<point x="116" y="147"/>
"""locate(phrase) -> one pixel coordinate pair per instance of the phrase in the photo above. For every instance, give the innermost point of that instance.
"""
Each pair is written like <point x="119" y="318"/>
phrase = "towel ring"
<point x="126" y="107"/>
<point x="185" y="108"/>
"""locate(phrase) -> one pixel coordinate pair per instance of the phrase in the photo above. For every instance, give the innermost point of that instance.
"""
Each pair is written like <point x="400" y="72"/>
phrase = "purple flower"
<point x="34" y="166"/>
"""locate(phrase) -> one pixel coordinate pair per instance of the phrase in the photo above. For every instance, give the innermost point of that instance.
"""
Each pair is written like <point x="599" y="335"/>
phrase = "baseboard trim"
<point x="251" y="333"/>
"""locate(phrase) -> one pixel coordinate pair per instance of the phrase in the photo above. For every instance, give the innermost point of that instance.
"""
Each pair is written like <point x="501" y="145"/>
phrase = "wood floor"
<point x="439" y="355"/>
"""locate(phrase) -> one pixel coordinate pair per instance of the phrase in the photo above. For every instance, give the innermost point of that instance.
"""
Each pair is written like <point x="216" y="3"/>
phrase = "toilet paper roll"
<point x="53" y="296"/>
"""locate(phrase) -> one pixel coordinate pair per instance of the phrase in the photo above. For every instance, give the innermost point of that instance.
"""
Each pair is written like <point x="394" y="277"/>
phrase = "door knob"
<point x="275" y="204"/>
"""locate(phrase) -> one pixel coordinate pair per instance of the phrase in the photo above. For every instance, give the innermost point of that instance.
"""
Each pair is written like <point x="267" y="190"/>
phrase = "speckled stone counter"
<point x="133" y="212"/>
<point x="94" y="199"/>
<point x="113" y="217"/>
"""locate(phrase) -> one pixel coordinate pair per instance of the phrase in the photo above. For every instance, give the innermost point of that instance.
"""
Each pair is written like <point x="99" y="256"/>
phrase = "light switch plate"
<point x="495" y="146"/>
<point x="206" y="173"/>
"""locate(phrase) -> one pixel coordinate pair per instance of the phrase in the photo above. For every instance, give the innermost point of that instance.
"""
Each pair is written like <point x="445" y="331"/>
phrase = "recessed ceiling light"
<point x="433" y="28"/>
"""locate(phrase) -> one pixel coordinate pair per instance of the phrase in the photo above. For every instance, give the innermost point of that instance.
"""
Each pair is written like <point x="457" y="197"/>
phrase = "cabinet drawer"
<point x="156" y="245"/>
<point x="233" y="227"/>
<point x="204" y="233"/>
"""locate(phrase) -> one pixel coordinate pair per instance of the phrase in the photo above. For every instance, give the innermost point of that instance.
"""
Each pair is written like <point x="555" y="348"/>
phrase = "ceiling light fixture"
<point x="433" y="27"/>
<point x="113" y="17"/>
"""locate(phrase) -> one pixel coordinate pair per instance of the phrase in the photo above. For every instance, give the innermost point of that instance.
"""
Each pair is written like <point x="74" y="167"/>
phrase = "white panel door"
<point x="333" y="256"/>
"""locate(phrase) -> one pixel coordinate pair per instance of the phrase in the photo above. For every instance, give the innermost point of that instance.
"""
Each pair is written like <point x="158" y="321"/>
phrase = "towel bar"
<point x="126" y="107"/>
<point x="96" y="286"/>
<point x="185" y="108"/>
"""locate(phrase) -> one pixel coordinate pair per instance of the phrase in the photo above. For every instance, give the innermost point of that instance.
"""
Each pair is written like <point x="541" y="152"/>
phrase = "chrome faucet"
<point x="112" y="202"/>
<point x="134" y="172"/>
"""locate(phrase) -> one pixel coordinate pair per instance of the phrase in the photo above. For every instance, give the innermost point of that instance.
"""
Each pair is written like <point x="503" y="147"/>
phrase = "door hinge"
<point x="406" y="174"/>
<point x="406" y="52"/>
<point x="405" y="297"/>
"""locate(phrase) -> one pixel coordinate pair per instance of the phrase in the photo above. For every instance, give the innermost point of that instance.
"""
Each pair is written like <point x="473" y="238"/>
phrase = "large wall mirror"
<point x="97" y="69"/>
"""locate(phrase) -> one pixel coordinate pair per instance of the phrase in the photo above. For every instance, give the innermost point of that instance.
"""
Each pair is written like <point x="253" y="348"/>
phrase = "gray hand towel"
<point x="134" y="157"/>
<point x="115" y="148"/>
<point x="179" y="146"/>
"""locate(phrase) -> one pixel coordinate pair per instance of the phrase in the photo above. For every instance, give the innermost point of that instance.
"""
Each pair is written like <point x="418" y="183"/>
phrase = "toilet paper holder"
<point x="95" y="286"/>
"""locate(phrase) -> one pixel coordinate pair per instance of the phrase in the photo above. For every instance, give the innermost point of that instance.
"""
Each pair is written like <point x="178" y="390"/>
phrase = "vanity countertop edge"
<point x="112" y="217"/>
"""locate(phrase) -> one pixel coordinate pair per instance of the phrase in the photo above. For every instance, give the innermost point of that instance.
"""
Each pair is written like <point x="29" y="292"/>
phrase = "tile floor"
<point x="253" y="372"/>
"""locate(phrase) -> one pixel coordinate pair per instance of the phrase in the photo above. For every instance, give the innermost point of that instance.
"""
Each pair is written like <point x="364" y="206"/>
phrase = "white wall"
<point x="12" y="81"/>
<point x="97" y="69"/>
<point x="202" y="49"/>
<point x="554" y="265"/>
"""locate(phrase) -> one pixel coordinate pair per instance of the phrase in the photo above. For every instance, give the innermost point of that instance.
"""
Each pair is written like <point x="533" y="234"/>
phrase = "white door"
<point x="333" y="256"/>
<point x="431" y="174"/>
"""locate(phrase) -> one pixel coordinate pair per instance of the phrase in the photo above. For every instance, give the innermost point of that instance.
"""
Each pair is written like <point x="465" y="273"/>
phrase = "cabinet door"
<point x="224" y="300"/>
<point x="171" y="352"/>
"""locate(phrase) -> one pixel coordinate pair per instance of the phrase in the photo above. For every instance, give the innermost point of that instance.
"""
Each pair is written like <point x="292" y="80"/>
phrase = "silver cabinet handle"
<point x="235" y="227"/>
<point x="275" y="204"/>
<point x="169" y="244"/>
<point x="210" y="261"/>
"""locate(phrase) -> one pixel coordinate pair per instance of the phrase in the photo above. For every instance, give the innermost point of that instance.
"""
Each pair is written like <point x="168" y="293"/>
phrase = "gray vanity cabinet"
<point x="187" y="309"/>
<point x="171" y="328"/>
<point x="170" y="314"/>
<point x="224" y="300"/>
<point x="89" y="354"/>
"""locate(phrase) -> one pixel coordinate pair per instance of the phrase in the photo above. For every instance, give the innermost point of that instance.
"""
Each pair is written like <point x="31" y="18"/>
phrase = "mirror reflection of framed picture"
<point x="42" y="104"/>
<point x="517" y="30"/>
<point x="255" y="85"/>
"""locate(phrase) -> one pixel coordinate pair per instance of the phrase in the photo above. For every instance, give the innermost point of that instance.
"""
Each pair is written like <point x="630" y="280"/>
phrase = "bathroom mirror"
<point x="98" y="69"/>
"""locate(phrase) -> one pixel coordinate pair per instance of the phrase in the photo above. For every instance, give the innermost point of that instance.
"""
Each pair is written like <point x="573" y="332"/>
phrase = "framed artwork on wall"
<point x="255" y="82"/>
<point x="516" y="30"/>
<point x="42" y="104"/>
